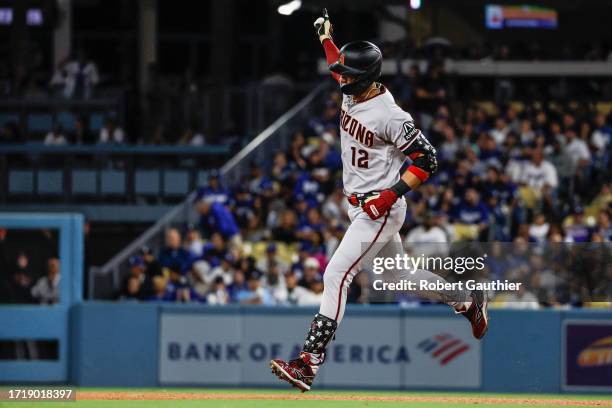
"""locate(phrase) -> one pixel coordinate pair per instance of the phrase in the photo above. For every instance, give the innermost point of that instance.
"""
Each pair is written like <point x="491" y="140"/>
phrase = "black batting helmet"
<point x="361" y="60"/>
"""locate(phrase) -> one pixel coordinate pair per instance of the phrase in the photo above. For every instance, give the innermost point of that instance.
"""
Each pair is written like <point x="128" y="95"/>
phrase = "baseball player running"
<point x="376" y="137"/>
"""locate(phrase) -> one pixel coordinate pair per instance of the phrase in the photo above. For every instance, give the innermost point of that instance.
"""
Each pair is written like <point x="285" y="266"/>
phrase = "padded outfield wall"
<point x="381" y="347"/>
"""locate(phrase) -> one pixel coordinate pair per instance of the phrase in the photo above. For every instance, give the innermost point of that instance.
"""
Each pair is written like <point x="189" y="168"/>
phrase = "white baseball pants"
<point x="364" y="240"/>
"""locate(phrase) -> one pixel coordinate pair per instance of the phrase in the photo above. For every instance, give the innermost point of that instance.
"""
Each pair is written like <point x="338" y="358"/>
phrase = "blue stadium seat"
<point x="21" y="182"/>
<point x="96" y="122"/>
<point x="176" y="182"/>
<point x="66" y="120"/>
<point x="50" y="182"/>
<point x="146" y="182"/>
<point x="8" y="117"/>
<point x="39" y="122"/>
<point x="113" y="182"/>
<point x="84" y="182"/>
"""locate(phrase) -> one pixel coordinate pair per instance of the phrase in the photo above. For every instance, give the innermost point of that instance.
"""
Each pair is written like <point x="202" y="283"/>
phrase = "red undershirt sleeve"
<point x="331" y="54"/>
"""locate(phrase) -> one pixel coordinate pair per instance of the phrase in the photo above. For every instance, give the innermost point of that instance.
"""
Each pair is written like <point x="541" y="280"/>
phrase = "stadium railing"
<point x="104" y="281"/>
<point x="275" y="137"/>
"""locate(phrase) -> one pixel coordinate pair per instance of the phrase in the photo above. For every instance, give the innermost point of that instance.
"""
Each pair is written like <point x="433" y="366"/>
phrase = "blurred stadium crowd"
<point x="532" y="172"/>
<point x="523" y="173"/>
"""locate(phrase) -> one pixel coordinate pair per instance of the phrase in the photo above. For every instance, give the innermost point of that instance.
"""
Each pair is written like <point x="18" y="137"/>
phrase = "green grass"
<point x="255" y="403"/>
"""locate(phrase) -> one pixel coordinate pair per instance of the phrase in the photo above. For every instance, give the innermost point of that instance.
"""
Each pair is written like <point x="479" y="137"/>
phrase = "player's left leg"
<point x="471" y="304"/>
<point x="454" y="298"/>
<point x="363" y="238"/>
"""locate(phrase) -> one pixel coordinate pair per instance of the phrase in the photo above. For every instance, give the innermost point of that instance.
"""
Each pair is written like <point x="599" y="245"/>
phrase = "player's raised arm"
<point x="323" y="28"/>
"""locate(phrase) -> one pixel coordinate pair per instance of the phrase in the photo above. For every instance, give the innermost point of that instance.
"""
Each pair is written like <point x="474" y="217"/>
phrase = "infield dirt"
<point x="163" y="395"/>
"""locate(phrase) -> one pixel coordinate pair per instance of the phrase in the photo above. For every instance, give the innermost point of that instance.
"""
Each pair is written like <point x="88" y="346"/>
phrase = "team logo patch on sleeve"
<point x="410" y="131"/>
<point x="410" y="134"/>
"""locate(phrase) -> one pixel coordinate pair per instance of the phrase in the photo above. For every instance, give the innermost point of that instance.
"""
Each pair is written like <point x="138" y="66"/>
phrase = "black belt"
<point x="358" y="199"/>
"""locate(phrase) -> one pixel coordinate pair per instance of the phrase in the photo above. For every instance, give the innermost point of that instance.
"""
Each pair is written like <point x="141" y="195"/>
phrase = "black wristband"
<point x="400" y="188"/>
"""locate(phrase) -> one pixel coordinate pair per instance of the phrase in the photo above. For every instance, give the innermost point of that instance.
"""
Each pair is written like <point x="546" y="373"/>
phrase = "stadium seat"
<point x="8" y="117"/>
<point x="39" y="122"/>
<point x="66" y="120"/>
<point x="50" y="182"/>
<point x="83" y="182"/>
<point x="96" y="122"/>
<point x="21" y="182"/>
<point x="146" y="182"/>
<point x="176" y="182"/>
<point x="113" y="182"/>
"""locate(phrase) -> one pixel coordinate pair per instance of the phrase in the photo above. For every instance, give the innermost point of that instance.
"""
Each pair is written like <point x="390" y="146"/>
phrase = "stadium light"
<point x="415" y="4"/>
<point x="288" y="8"/>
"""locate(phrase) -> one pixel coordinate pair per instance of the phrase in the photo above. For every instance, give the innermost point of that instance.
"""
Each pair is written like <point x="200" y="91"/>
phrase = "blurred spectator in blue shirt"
<point x="496" y="185"/>
<point x="161" y="291"/>
<point x="254" y="293"/>
<point x="576" y="229"/>
<point x="194" y="243"/>
<point x="500" y="230"/>
<point x="242" y="204"/>
<point x="216" y="217"/>
<point x="304" y="249"/>
<point x="281" y="168"/>
<point x="214" y="191"/>
<point x="174" y="254"/>
<point x="215" y="250"/>
<point x="471" y="210"/>
<point x="257" y="180"/>
<point x="237" y="286"/>
<point x="314" y="220"/>
<point x="308" y="188"/>
<point x="332" y="158"/>
<point x="489" y="152"/>
<point x="327" y="121"/>
<point x="272" y="259"/>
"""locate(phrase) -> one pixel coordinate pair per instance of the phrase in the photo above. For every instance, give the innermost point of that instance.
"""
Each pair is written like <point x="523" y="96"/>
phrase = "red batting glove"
<point x="378" y="205"/>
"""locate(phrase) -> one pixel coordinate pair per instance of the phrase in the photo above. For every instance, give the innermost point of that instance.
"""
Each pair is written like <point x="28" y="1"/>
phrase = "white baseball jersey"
<point x="373" y="135"/>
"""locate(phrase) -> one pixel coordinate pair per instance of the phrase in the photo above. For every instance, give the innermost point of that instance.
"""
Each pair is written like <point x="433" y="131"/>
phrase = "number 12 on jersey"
<point x="359" y="157"/>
